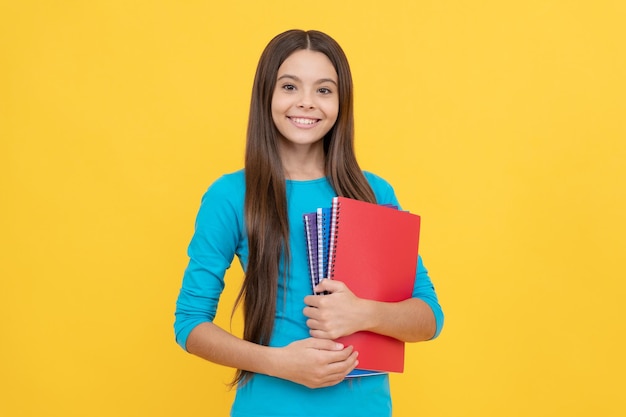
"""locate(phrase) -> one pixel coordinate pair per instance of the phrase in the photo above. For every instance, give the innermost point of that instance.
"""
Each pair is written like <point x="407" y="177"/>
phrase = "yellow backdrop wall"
<point x="501" y="123"/>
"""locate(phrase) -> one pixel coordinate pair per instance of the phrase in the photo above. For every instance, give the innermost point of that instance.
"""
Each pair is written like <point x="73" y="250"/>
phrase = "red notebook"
<point x="373" y="250"/>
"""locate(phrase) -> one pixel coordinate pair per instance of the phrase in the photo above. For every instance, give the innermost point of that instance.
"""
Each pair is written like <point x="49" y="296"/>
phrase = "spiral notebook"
<point x="310" y="232"/>
<point x="323" y="241"/>
<point x="373" y="250"/>
<point x="317" y="233"/>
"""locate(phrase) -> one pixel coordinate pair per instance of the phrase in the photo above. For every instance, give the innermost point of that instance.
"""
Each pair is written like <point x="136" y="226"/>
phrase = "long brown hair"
<point x="265" y="209"/>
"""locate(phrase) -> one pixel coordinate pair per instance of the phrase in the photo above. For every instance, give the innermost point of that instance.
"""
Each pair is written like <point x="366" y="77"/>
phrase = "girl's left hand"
<point x="339" y="313"/>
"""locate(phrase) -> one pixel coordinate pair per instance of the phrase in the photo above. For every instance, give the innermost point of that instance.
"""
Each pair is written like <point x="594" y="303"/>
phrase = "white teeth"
<point x="303" y="121"/>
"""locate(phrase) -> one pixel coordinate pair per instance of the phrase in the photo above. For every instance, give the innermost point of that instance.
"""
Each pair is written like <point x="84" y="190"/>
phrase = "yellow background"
<point x="501" y="123"/>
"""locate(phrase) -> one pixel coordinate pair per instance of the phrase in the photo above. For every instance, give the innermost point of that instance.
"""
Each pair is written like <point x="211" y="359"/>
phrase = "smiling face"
<point x="305" y="102"/>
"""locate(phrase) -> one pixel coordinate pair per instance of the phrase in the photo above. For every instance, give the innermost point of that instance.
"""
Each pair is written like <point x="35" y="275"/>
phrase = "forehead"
<point x="310" y="64"/>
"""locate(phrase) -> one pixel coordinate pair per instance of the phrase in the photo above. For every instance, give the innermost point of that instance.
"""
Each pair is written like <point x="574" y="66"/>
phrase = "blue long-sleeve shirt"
<point x="219" y="236"/>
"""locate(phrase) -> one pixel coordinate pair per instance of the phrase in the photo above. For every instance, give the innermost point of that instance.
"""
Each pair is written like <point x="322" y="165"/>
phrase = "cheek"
<point x="333" y="112"/>
<point x="278" y="106"/>
<point x="275" y="110"/>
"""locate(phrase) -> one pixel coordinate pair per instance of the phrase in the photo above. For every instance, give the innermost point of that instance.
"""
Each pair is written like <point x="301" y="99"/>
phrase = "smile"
<point x="303" y="121"/>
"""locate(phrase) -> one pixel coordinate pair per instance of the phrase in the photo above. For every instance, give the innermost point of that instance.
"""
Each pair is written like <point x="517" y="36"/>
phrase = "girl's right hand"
<point x="315" y="363"/>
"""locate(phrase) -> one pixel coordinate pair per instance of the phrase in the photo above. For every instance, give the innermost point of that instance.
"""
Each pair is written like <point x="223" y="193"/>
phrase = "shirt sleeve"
<point x="425" y="291"/>
<point x="423" y="287"/>
<point x="211" y="251"/>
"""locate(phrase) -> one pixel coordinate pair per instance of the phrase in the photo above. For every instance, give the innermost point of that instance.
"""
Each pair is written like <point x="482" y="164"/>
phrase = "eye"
<point x="289" y="87"/>
<point x="324" y="90"/>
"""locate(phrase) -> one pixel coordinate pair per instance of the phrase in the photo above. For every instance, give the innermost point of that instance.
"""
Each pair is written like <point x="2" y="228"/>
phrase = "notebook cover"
<point x="373" y="250"/>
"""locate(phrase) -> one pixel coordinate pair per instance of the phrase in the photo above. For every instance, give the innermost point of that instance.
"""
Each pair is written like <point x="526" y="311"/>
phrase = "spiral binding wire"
<point x="308" y="246"/>
<point x="334" y="227"/>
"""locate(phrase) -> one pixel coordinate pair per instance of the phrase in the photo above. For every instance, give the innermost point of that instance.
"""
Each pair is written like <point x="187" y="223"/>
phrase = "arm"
<point x="311" y="362"/>
<point x="217" y="238"/>
<point x="342" y="313"/>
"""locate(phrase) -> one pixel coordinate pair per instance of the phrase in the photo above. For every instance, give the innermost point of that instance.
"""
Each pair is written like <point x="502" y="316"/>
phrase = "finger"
<point x="311" y="312"/>
<point x="322" y="334"/>
<point x="329" y="285"/>
<point x="336" y="372"/>
<point x="345" y="366"/>
<point x="312" y="300"/>
<point x="313" y="324"/>
<point x="345" y="355"/>
<point x="325" y="344"/>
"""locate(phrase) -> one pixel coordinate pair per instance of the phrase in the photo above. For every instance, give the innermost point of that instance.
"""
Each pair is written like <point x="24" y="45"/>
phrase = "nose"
<point x="306" y="101"/>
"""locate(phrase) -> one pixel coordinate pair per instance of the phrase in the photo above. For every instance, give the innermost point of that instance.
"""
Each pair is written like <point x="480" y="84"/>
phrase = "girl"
<point x="299" y="154"/>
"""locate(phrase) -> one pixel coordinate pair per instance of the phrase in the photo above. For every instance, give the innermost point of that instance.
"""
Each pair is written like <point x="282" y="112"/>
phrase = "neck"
<point x="304" y="174"/>
<point x="303" y="164"/>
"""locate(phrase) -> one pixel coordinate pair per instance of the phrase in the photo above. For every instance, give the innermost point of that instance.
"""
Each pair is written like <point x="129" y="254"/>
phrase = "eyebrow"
<point x="320" y="81"/>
